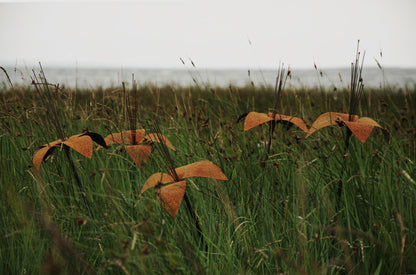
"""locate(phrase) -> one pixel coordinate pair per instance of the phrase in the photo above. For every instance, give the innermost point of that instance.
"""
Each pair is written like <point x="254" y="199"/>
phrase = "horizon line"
<point x="190" y="67"/>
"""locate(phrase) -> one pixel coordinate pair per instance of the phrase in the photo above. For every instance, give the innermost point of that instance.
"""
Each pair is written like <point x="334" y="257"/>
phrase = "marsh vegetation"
<point x="280" y="214"/>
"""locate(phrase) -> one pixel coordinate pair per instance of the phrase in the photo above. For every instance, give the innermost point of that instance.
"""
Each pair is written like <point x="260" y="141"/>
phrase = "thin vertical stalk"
<point x="356" y="91"/>
<point x="78" y="181"/>
<point x="163" y="150"/>
<point x="132" y="109"/>
<point x="278" y="88"/>
<point x="195" y="218"/>
<point x="42" y="88"/>
<point x="8" y="78"/>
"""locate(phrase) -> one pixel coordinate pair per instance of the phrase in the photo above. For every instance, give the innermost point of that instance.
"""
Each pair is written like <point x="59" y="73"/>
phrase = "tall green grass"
<point x="281" y="216"/>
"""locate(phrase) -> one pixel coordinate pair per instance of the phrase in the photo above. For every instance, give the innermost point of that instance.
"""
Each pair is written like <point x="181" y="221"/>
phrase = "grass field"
<point x="279" y="215"/>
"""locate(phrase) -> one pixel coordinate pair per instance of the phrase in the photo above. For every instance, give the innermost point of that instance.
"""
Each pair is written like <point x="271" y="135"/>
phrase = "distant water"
<point x="113" y="77"/>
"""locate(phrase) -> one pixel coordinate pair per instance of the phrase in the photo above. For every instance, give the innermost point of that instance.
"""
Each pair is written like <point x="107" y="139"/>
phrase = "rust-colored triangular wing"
<point x="113" y="138"/>
<point x="125" y="137"/>
<point x="254" y="119"/>
<point x="156" y="180"/>
<point x="362" y="127"/>
<point x="80" y="143"/>
<point x="40" y="155"/>
<point x="139" y="153"/>
<point x="155" y="138"/>
<point x="203" y="168"/>
<point x="369" y="121"/>
<point x="295" y="120"/>
<point x="171" y="196"/>
<point x="326" y="119"/>
<point x="139" y="134"/>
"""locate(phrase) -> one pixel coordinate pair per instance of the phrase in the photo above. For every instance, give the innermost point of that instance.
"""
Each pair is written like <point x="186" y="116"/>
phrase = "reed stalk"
<point x="356" y="91"/>
<point x="42" y="88"/>
<point x="280" y="84"/>
<point x="169" y="164"/>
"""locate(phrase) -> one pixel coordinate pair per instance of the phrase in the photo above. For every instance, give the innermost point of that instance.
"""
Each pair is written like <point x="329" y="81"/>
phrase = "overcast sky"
<point x="214" y="34"/>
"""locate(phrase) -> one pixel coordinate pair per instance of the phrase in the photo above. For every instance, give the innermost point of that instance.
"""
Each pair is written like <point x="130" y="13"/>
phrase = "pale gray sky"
<point x="214" y="34"/>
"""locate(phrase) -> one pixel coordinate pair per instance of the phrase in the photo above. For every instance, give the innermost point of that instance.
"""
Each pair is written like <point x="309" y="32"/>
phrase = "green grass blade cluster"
<point x="282" y="216"/>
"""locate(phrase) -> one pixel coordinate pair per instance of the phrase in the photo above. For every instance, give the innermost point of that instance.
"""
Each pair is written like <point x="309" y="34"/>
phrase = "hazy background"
<point x="214" y="34"/>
